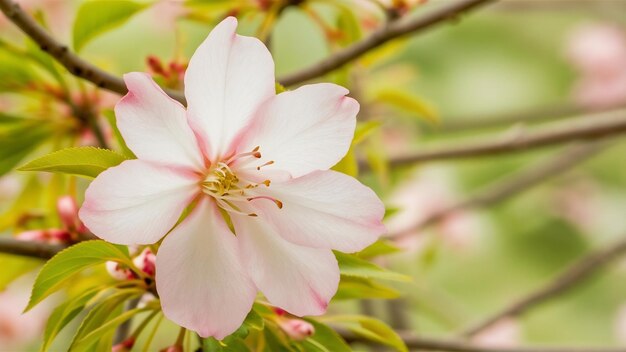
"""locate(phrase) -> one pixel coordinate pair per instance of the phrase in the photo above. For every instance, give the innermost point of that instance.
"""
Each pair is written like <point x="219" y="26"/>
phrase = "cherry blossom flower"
<point x="241" y="155"/>
<point x="504" y="334"/>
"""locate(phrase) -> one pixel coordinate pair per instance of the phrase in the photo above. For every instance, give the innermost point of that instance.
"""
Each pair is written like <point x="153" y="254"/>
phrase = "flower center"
<point x="226" y="188"/>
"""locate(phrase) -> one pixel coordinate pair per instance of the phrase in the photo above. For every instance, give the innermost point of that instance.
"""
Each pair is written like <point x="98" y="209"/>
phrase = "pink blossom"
<point x="620" y="324"/>
<point x="238" y="149"/>
<point x="146" y="262"/>
<point x="297" y="329"/>
<point x="598" y="51"/>
<point x="52" y="236"/>
<point x="68" y="213"/>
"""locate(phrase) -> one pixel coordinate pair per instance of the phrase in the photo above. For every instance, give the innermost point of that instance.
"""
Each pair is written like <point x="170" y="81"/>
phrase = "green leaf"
<point x="101" y="313"/>
<point x="351" y="265"/>
<point x="408" y="102"/>
<point x="81" y="161"/>
<point x="14" y="267"/>
<point x="356" y="287"/>
<point x="364" y="129"/>
<point x="19" y="142"/>
<point x="378" y="248"/>
<point x="99" y="16"/>
<point x="371" y="329"/>
<point x="349" y="165"/>
<point x="64" y="314"/>
<point x="84" y="343"/>
<point x="110" y="116"/>
<point x="70" y="261"/>
<point x="324" y="339"/>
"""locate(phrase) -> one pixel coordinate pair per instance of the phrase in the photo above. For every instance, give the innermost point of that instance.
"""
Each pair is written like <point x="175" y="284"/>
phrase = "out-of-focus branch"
<point x="535" y="115"/>
<point x="571" y="277"/>
<point x="29" y="248"/>
<point x="394" y="29"/>
<point x="414" y="342"/>
<point x="512" y="185"/>
<point x="61" y="53"/>
<point x="589" y="127"/>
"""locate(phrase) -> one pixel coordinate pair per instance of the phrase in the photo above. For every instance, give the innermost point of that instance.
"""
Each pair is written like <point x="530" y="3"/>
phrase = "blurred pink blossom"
<point x="503" y="334"/>
<point x="17" y="330"/>
<point x="620" y="325"/>
<point x="296" y="329"/>
<point x="423" y="195"/>
<point x="598" y="51"/>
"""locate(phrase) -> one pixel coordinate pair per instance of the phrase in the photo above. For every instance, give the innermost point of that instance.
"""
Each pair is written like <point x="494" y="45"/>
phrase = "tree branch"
<point x="574" y="275"/>
<point x="414" y="342"/>
<point x="61" y="53"/>
<point x="29" y="248"/>
<point x="589" y="127"/>
<point x="393" y="30"/>
<point x="512" y="185"/>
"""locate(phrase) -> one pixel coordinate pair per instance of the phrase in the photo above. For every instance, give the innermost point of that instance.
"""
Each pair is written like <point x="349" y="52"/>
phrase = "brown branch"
<point x="28" y="248"/>
<point x="574" y="275"/>
<point x="393" y="30"/>
<point x="512" y="185"/>
<point x="414" y="342"/>
<point x="533" y="115"/>
<point x="590" y="127"/>
<point x="61" y="53"/>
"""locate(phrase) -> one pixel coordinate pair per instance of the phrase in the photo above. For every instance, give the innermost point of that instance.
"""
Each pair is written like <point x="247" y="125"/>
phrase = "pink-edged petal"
<point x="199" y="276"/>
<point x="324" y="209"/>
<point x="300" y="280"/>
<point x="137" y="202"/>
<point x="155" y="126"/>
<point x="228" y="78"/>
<point x="307" y="129"/>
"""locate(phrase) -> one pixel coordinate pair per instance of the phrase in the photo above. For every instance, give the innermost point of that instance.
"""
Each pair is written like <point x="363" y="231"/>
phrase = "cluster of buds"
<point x="144" y="261"/>
<point x="72" y="229"/>
<point x="124" y="346"/>
<point x="171" y="75"/>
<point x="297" y="329"/>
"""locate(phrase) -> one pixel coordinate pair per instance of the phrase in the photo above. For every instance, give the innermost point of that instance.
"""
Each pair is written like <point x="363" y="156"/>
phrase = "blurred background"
<point x="509" y="67"/>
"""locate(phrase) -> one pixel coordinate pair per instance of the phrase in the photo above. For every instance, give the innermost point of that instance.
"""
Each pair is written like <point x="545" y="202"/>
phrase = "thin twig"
<point x="512" y="185"/>
<point x="571" y="277"/>
<point x="61" y="53"/>
<point x="431" y="344"/>
<point x="393" y="30"/>
<point x="29" y="248"/>
<point x="532" y="115"/>
<point x="589" y="127"/>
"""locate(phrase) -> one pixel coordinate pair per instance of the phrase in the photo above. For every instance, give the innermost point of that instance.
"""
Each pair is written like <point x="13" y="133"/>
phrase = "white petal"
<point x="137" y="202"/>
<point x="300" y="280"/>
<point x="229" y="76"/>
<point x="154" y="125"/>
<point x="199" y="276"/>
<point x="324" y="209"/>
<point x="307" y="129"/>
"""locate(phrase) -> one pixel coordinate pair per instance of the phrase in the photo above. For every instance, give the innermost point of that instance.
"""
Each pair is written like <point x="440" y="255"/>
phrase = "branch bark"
<point x="28" y="248"/>
<point x="512" y="185"/>
<point x="61" y="53"/>
<point x="574" y="275"/>
<point x="393" y="30"/>
<point x="590" y="127"/>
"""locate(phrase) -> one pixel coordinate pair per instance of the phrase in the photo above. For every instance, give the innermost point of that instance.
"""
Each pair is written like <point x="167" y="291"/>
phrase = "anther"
<point x="267" y="163"/>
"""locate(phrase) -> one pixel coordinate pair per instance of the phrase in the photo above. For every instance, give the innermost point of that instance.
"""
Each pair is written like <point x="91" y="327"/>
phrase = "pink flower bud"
<point x="52" y="236"/>
<point x="297" y="329"/>
<point x="174" y="348"/>
<point x="118" y="272"/>
<point x="124" y="346"/>
<point x="68" y="212"/>
<point x="146" y="262"/>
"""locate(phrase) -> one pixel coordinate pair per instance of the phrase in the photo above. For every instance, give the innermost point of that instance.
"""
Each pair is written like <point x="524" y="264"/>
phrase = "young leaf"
<point x="409" y="103"/>
<point x="356" y="287"/>
<point x="378" y="248"/>
<point x="18" y="142"/>
<point x="14" y="267"/>
<point x="98" y="16"/>
<point x="81" y="161"/>
<point x="351" y="265"/>
<point x="72" y="260"/>
<point x="324" y="339"/>
<point x="64" y="314"/>
<point x="93" y="336"/>
<point x="371" y="329"/>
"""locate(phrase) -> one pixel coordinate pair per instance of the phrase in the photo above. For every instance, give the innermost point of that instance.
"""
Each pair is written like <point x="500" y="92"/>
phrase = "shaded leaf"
<point x="81" y="161"/>
<point x="99" y="16"/>
<point x="351" y="265"/>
